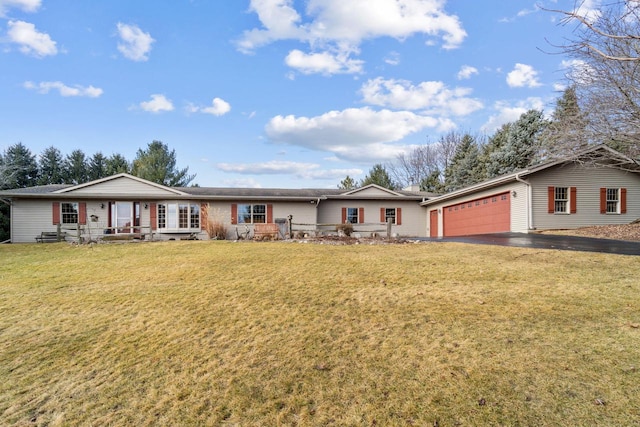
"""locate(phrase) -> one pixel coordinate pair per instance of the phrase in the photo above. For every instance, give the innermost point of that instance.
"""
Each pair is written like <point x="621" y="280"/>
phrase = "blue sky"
<point x="272" y="93"/>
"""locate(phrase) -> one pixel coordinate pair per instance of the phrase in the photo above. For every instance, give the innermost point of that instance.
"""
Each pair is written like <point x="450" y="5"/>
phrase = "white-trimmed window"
<point x="561" y="200"/>
<point x="69" y="212"/>
<point x="390" y="215"/>
<point x="613" y="200"/>
<point x="178" y="216"/>
<point x="252" y="214"/>
<point x="352" y="215"/>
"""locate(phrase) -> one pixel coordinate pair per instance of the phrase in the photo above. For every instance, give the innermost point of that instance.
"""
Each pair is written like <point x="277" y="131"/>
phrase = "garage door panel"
<point x="490" y="214"/>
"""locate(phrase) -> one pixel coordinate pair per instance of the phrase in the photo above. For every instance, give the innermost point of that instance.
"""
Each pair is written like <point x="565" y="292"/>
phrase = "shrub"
<point x="213" y="226"/>
<point x="346" y="228"/>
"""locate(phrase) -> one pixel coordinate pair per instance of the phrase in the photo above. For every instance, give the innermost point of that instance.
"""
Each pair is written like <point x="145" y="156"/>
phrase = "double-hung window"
<point x="613" y="200"/>
<point x="69" y="213"/>
<point x="352" y="215"/>
<point x="178" y="216"/>
<point x="390" y="215"/>
<point x="252" y="214"/>
<point x="561" y="200"/>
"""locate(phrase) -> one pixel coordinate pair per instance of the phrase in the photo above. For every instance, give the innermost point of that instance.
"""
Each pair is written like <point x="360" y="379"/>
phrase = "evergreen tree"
<point x="158" y="164"/>
<point x="19" y="168"/>
<point x="51" y="167"/>
<point x="490" y="162"/>
<point x="464" y="169"/>
<point x="115" y="164"/>
<point x="522" y="146"/>
<point x="76" y="169"/>
<point x="566" y="132"/>
<point x="432" y="183"/>
<point x="97" y="166"/>
<point x="378" y="175"/>
<point x="347" y="184"/>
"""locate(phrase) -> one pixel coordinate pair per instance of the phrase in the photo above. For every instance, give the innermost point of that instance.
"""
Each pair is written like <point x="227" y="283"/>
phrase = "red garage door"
<point x="490" y="214"/>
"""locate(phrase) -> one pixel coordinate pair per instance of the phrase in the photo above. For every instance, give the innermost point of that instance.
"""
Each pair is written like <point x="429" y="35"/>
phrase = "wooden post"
<point x="389" y="229"/>
<point x="290" y="218"/>
<point x="58" y="232"/>
<point x="79" y="236"/>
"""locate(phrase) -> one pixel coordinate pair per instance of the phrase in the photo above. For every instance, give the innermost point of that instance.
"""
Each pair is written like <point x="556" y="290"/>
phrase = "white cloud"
<point x="277" y="167"/>
<point x="135" y="44"/>
<point x="433" y="96"/>
<point x="24" y="5"/>
<point x="506" y="113"/>
<point x="355" y="133"/>
<point x="466" y="72"/>
<point x="31" y="41"/>
<point x="523" y="75"/>
<point x="337" y="27"/>
<point x="393" y="58"/>
<point x="322" y="63"/>
<point x="157" y="104"/>
<point x="219" y="107"/>
<point x="64" y="90"/>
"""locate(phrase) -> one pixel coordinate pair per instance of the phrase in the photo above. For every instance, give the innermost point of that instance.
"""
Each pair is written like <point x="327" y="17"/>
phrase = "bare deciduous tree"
<point x="606" y="71"/>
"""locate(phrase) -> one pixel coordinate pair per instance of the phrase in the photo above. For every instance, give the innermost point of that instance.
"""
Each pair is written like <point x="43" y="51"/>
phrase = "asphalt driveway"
<point x="550" y="241"/>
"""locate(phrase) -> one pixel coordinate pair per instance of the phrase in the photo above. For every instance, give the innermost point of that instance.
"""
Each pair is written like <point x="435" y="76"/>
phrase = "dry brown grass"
<point x="267" y="334"/>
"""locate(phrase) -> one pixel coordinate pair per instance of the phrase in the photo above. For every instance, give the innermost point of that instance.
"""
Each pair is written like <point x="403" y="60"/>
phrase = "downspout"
<point x="529" y="202"/>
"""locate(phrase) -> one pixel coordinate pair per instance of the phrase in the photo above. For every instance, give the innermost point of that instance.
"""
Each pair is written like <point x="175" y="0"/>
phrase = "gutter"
<point x="529" y="201"/>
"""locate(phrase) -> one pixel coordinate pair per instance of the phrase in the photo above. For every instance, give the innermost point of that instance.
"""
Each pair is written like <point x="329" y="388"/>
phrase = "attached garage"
<point x="490" y="214"/>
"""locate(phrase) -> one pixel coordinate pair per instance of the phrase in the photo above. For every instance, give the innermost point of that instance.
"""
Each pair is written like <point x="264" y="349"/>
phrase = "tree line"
<point x="457" y="159"/>
<point x="20" y="168"/>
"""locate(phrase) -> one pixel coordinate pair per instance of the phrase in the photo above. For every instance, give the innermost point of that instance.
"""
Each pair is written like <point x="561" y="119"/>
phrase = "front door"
<point x="125" y="215"/>
<point x="433" y="223"/>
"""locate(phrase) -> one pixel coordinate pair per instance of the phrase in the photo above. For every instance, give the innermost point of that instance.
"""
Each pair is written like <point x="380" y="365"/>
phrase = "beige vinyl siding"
<point x="30" y="217"/>
<point x="302" y="212"/>
<point x="588" y="180"/>
<point x="413" y="215"/>
<point x="123" y="186"/>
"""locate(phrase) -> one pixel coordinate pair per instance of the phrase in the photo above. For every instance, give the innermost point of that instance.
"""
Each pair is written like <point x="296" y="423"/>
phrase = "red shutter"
<point x="623" y="200"/>
<point x="361" y="215"/>
<point x="382" y="215"/>
<point x="344" y="215"/>
<point x="203" y="216"/>
<point x="603" y="200"/>
<point x="153" y="216"/>
<point x="56" y="213"/>
<point x="573" y="202"/>
<point x="269" y="214"/>
<point x="234" y="213"/>
<point x="398" y="216"/>
<point x="551" y="199"/>
<point x="82" y="213"/>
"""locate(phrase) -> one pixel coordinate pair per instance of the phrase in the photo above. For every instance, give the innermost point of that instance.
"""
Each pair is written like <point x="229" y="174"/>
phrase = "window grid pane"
<point x="612" y="200"/>
<point x="259" y="214"/>
<point x="162" y="216"/>
<point x="69" y="213"/>
<point x="390" y="214"/>
<point x="561" y="199"/>
<point x="183" y="216"/>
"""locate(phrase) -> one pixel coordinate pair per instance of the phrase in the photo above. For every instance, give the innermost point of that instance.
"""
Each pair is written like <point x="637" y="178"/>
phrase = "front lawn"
<point x="267" y="334"/>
